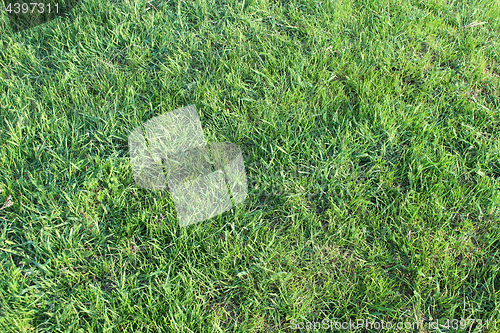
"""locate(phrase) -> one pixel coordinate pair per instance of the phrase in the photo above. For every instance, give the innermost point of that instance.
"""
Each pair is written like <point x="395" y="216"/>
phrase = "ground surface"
<point x="371" y="135"/>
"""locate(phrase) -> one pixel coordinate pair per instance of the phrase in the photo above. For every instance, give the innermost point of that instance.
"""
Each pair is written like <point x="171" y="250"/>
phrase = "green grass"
<point x="371" y="137"/>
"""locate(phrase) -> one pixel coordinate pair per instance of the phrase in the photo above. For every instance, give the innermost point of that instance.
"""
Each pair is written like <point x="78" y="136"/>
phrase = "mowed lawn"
<point x="371" y="137"/>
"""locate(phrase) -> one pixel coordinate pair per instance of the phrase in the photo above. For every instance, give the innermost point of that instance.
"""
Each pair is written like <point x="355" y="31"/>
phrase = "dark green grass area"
<point x="371" y="137"/>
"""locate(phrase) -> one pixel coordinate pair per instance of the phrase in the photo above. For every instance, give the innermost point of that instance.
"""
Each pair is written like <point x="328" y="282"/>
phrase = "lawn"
<point x="370" y="132"/>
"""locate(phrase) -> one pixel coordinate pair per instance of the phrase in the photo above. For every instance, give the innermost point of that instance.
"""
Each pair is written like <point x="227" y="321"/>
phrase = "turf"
<point x="371" y="138"/>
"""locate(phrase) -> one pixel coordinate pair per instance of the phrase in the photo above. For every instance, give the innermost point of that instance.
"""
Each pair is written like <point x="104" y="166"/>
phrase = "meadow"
<point x="370" y="131"/>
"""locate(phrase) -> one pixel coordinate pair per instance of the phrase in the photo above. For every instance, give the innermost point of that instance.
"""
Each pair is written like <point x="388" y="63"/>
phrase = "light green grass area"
<point x="371" y="137"/>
